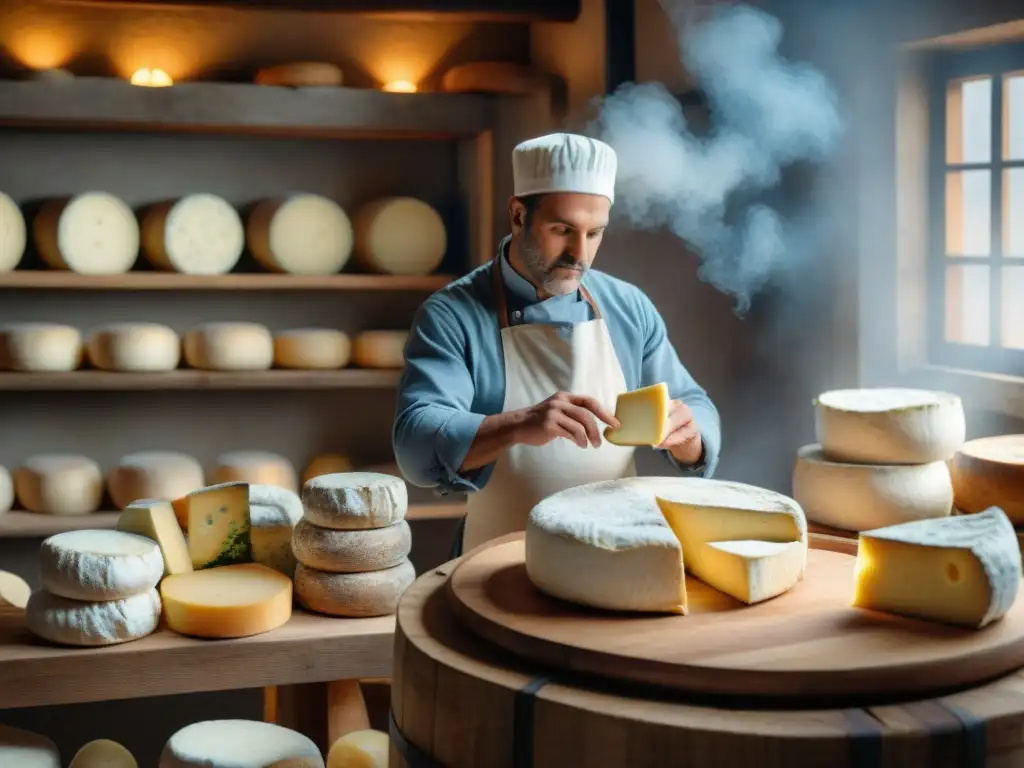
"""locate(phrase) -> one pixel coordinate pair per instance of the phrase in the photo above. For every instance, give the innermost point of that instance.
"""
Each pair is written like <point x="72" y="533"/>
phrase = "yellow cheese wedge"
<point x="14" y="591"/>
<point x="751" y="571"/>
<point x="642" y="415"/>
<point x="156" y="520"/>
<point x="229" y="601"/>
<point x="360" y="749"/>
<point x="219" y="529"/>
<point x="103" y="753"/>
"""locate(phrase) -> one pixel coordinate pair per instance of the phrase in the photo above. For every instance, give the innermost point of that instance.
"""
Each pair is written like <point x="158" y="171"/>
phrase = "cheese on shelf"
<point x="219" y="529"/>
<point x="155" y="520"/>
<point x="6" y="490"/>
<point x="103" y="753"/>
<point x="14" y="590"/>
<point x="229" y="601"/>
<point x="198" y="234"/>
<point x="360" y="749"/>
<point x="301" y="74"/>
<point x="134" y="347"/>
<point x="642" y="415"/>
<point x="99" y="564"/>
<point x="858" y="497"/>
<point x="353" y="500"/>
<point x="13" y="234"/>
<point x="327" y="464"/>
<point x="500" y="77"/>
<point x="273" y="513"/>
<point x="77" y="622"/>
<point x="256" y="467"/>
<point x="312" y="349"/>
<point x="24" y="749"/>
<point x="353" y="595"/>
<point x="40" y="347"/>
<point x="752" y="571"/>
<point x="963" y="570"/>
<point x="379" y="349"/>
<point x="889" y="425"/>
<point x="229" y="347"/>
<point x="59" y="484"/>
<point x="239" y="744"/>
<point x="373" y="549"/>
<point x="989" y="472"/>
<point x="399" y="236"/>
<point x="153" y="475"/>
<point x="302" y="234"/>
<point x="94" y="233"/>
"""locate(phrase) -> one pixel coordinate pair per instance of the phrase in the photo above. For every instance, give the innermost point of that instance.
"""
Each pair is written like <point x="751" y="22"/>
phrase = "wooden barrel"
<point x="460" y="703"/>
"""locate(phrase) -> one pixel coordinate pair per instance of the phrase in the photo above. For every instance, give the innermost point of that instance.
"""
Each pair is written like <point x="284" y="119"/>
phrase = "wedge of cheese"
<point x="751" y="571"/>
<point x="219" y="527"/>
<point x="642" y="415"/>
<point x="155" y="520"/>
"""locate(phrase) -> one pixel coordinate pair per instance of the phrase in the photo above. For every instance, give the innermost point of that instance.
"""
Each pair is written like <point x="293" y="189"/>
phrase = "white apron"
<point x="541" y="360"/>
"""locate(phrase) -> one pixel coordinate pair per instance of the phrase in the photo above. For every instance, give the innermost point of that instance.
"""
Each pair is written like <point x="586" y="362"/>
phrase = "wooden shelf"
<point x="352" y="378"/>
<point x="168" y="281"/>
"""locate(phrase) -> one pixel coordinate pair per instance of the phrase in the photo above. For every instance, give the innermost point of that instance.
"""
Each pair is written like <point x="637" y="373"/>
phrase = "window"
<point x="976" y="242"/>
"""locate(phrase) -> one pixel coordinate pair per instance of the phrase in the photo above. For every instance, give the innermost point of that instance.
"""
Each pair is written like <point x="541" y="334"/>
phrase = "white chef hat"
<point x="564" y="162"/>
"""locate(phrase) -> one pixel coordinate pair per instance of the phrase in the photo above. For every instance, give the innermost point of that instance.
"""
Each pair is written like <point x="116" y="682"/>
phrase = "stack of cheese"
<point x="880" y="457"/>
<point x="352" y="544"/>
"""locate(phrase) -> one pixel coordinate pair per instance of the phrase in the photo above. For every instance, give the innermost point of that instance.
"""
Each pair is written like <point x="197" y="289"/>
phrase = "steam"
<point x="766" y="113"/>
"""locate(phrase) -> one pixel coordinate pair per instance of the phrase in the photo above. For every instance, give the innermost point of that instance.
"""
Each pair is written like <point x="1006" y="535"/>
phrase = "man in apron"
<point x="512" y="371"/>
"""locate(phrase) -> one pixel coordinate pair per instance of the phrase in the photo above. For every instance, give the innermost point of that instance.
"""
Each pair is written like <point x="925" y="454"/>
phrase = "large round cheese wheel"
<point x="989" y="472"/>
<point x="59" y="484"/>
<point x="380" y="349"/>
<point x="301" y="74"/>
<point x="229" y="347"/>
<point x="255" y="468"/>
<point x="153" y="475"/>
<point x="360" y="749"/>
<point x="134" y="347"/>
<point x="13" y="234"/>
<point x="94" y="233"/>
<point x="24" y="749"/>
<point x="14" y="590"/>
<point x="859" y="497"/>
<point x="301" y="234"/>
<point x="399" y="236"/>
<point x="40" y="347"/>
<point x="327" y="464"/>
<point x="889" y="425"/>
<point x="353" y="500"/>
<point x="103" y="753"/>
<point x="200" y="234"/>
<point x="312" y="348"/>
<point x="78" y="622"/>
<point x="239" y="744"/>
<point x="354" y="595"/>
<point x="6" y="490"/>
<point x="99" y="565"/>
<point x="373" y="549"/>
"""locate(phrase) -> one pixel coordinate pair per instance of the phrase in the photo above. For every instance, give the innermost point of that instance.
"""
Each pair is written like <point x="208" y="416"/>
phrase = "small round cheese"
<point x="14" y="590"/>
<point x="93" y="233"/>
<point x="40" y="347"/>
<point x="59" y="484"/>
<point x="77" y="622"/>
<point x="360" y="749"/>
<point x="327" y="464"/>
<point x="24" y="749"/>
<point x="399" y="236"/>
<point x="134" y="347"/>
<point x="153" y="475"/>
<point x="354" y="500"/>
<point x="354" y="595"/>
<point x="229" y="347"/>
<point x="239" y="744"/>
<point x="312" y="348"/>
<point x="200" y="234"/>
<point x="103" y="753"/>
<point x="889" y="425"/>
<point x="98" y="565"/>
<point x="6" y="490"/>
<point x="380" y="349"/>
<point x="13" y="234"/>
<point x="256" y="468"/>
<point x="373" y="549"/>
<point x="989" y="472"/>
<point x="302" y="234"/>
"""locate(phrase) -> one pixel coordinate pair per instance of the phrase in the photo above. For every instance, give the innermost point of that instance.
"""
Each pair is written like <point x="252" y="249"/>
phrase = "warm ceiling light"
<point x="151" y="78"/>
<point x="400" y="86"/>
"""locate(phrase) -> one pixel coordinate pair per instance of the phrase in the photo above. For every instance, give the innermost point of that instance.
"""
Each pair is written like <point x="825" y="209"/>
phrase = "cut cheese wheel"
<point x="301" y="74"/>
<point x="858" y="497"/>
<point x="77" y="622"/>
<point x="219" y="525"/>
<point x="312" y="348"/>
<point x="327" y="464"/>
<point x="200" y="234"/>
<point x="989" y="472"/>
<point x="399" y="236"/>
<point x="13" y="234"/>
<point x="889" y="425"/>
<point x="155" y="520"/>
<point x="229" y="347"/>
<point x="360" y="749"/>
<point x="6" y="490"/>
<point x="642" y="415"/>
<point x="134" y="347"/>
<point x="153" y="475"/>
<point x="59" y="484"/>
<point x="353" y="595"/>
<point x="99" y="565"/>
<point x="239" y="744"/>
<point x="14" y="590"/>
<point x="24" y="749"/>
<point x="94" y="233"/>
<point x="40" y="347"/>
<point x="380" y="349"/>
<point x="256" y="467"/>
<point x="103" y="753"/>
<point x="273" y="514"/>
<point x="229" y="601"/>
<point x="494" y="77"/>
<point x="301" y="234"/>
<point x="354" y="500"/>
<point x="374" y="549"/>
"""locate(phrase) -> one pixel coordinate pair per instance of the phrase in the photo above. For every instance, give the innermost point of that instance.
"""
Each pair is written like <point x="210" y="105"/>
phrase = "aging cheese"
<point x="889" y="425"/>
<point x="752" y="571"/>
<point x="360" y="749"/>
<point x="642" y="415"/>
<point x="373" y="549"/>
<point x="256" y="467"/>
<point x="989" y="472"/>
<point x="229" y="347"/>
<point x="301" y="74"/>
<point x="13" y="234"/>
<point x="963" y="569"/>
<point x="103" y="753"/>
<point x="273" y="514"/>
<point x="302" y="234"/>
<point x="59" y="484"/>
<point x="24" y="749"/>
<point x="40" y="347"/>
<point x="229" y="601"/>
<point x="77" y="622"/>
<point x="153" y="475"/>
<point x="239" y="744"/>
<point x="155" y="520"/>
<point x="94" y="233"/>
<point x="354" y="500"/>
<point x="219" y="528"/>
<point x="99" y="565"/>
<point x="500" y="77"/>
<point x="327" y="464"/>
<point x="134" y="347"/>
<point x="6" y="490"/>
<point x="312" y="349"/>
<point x="858" y="497"/>
<point x="399" y="236"/>
<point x="198" y="234"/>
<point x="354" y="595"/>
<point x="380" y="349"/>
<point x="14" y="591"/>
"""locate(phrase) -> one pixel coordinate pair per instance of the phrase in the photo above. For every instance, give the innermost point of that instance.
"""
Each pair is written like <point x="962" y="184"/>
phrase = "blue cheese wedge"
<point x="219" y="529"/>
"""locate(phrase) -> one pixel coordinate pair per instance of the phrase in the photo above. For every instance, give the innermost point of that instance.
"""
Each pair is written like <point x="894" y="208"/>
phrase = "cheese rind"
<point x="77" y="622"/>
<point x="379" y="349"/>
<point x="14" y="591"/>
<point x="353" y="500"/>
<point x="13" y="234"/>
<point x="753" y="571"/>
<point x="24" y="749"/>
<point x="399" y="236"/>
<point x="153" y="475"/>
<point x="302" y="234"/>
<point x="273" y="513"/>
<point x="134" y="347"/>
<point x="219" y="527"/>
<point x="360" y="749"/>
<point x="963" y="569"/>
<point x="989" y="472"/>
<point x="353" y="595"/>
<point x="642" y="415"/>
<point x="373" y="549"/>
<point x="59" y="484"/>
<point x="6" y="490"/>
<point x="239" y="744"/>
<point x="40" y="347"/>
<point x="99" y="565"/>
<point x="103" y="753"/>
<point x="198" y="234"/>
<point x="255" y="467"/>
<point x="229" y="347"/>
<point x="312" y="349"/>
<point x="94" y="233"/>
<point x="155" y="519"/>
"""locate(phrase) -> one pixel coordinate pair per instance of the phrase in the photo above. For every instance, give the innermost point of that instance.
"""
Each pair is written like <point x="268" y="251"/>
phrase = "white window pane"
<point x="1013" y="212"/>
<point x="968" y="213"/>
<point x="1012" y="300"/>
<point x="967" y="304"/>
<point x="969" y="121"/>
<point x="1013" y="116"/>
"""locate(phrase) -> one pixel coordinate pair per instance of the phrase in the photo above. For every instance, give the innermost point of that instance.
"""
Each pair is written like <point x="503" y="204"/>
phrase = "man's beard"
<point x="543" y="274"/>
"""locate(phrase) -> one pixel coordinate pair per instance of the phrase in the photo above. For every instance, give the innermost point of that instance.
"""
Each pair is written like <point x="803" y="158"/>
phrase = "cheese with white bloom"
<point x="239" y="744"/>
<point x="99" y="565"/>
<point x="77" y="622"/>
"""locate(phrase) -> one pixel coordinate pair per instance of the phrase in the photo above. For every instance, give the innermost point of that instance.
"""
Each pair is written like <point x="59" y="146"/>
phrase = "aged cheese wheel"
<point x="312" y="348"/>
<point x="134" y="347"/>
<point x="494" y="77"/>
<point x="354" y="500"/>
<point x="327" y="464"/>
<point x="256" y="468"/>
<point x="380" y="349"/>
<point x="103" y="753"/>
<point x="96" y="565"/>
<point x="239" y="744"/>
<point x="229" y="347"/>
<point x="399" y="236"/>
<point x="301" y="74"/>
<point x="14" y="590"/>
<point x="303" y="234"/>
<point x="200" y="234"/>
<point x="360" y="749"/>
<point x="59" y="484"/>
<point x="40" y="347"/>
<point x="77" y="622"/>
<point x="94" y="233"/>
<point x="153" y="475"/>
<point x="372" y="549"/>
<point x="355" y="595"/>
<point x="13" y="234"/>
<point x="24" y="749"/>
<point x="989" y="472"/>
<point x="6" y="490"/>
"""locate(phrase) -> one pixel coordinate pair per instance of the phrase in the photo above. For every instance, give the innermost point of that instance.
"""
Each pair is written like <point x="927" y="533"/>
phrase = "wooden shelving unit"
<point x="188" y="379"/>
<point x="47" y="280"/>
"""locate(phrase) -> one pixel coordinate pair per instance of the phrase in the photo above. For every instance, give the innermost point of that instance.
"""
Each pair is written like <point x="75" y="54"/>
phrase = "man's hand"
<point x="682" y="435"/>
<point x="564" y="415"/>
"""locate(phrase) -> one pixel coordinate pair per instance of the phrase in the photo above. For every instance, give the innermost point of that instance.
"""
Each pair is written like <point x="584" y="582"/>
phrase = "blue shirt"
<point x="454" y="373"/>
